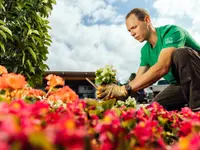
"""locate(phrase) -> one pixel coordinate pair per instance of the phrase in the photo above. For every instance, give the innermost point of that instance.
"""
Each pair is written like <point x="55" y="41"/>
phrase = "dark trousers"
<point x="186" y="69"/>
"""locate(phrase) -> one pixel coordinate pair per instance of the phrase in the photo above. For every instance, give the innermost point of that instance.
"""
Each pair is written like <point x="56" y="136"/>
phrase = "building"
<point x="77" y="81"/>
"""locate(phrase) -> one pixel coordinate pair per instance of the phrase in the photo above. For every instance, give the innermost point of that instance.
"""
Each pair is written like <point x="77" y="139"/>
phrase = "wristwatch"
<point x="128" y="89"/>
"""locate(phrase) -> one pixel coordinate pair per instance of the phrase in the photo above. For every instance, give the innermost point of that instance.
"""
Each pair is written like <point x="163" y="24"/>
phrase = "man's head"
<point x="138" y="24"/>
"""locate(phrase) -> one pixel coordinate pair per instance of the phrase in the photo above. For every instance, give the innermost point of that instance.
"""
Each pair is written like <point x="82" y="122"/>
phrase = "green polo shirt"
<point x="168" y="36"/>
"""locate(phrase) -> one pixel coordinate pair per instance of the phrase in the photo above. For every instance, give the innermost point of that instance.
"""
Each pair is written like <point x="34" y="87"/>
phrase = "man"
<point x="170" y="52"/>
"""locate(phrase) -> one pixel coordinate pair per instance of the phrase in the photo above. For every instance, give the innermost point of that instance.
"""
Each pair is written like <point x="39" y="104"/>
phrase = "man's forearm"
<point x="148" y="78"/>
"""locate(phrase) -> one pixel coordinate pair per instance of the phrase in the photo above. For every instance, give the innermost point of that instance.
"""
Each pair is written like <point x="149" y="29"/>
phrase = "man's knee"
<point x="181" y="54"/>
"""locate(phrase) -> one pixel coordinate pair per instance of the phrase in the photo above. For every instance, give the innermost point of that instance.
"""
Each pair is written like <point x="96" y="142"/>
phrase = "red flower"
<point x="128" y="114"/>
<point x="107" y="146"/>
<point x="146" y="131"/>
<point x="40" y="109"/>
<point x="185" y="128"/>
<point x="16" y="106"/>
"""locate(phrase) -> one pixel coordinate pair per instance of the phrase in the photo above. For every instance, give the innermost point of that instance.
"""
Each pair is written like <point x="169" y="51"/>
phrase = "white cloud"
<point x="180" y="9"/>
<point x="77" y="47"/>
<point x="162" y="21"/>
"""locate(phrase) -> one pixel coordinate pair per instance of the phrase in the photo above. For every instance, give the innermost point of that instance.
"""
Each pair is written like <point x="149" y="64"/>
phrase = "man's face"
<point x="138" y="29"/>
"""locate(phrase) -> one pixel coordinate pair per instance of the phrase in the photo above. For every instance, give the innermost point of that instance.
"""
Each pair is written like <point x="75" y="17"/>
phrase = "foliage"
<point x="24" y="37"/>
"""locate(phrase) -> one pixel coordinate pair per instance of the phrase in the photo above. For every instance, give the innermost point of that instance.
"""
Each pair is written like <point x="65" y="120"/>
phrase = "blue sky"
<point x="125" y="7"/>
<point x="90" y="34"/>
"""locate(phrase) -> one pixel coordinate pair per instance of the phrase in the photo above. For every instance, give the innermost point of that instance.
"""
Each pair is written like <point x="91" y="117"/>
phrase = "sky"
<point x="90" y="34"/>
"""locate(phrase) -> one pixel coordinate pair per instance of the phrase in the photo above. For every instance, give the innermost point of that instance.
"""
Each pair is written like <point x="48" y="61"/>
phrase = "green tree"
<point x="24" y="38"/>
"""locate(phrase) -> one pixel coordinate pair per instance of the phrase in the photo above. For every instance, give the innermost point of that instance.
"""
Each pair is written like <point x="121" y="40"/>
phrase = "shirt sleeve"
<point x="175" y="37"/>
<point x="143" y="62"/>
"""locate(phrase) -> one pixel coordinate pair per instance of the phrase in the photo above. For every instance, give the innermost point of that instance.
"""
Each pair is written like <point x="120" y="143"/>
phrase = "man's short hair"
<point x="140" y="13"/>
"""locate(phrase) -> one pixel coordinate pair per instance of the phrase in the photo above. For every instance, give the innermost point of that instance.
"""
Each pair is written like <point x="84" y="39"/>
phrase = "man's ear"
<point x="147" y="19"/>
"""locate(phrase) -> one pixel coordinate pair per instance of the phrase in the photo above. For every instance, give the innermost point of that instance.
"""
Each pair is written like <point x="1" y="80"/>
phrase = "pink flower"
<point x="195" y="142"/>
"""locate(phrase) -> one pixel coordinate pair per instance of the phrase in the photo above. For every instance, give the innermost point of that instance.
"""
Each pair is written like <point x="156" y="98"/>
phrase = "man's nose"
<point x="132" y="33"/>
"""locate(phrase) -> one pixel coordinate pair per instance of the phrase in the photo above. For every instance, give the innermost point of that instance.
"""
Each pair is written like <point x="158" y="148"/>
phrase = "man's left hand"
<point x="111" y="91"/>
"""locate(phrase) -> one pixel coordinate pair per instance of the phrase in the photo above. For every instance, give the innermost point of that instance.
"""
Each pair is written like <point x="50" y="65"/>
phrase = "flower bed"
<point x="58" y="119"/>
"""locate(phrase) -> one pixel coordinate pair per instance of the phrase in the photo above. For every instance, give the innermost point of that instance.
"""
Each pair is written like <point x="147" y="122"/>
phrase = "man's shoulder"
<point x="168" y="28"/>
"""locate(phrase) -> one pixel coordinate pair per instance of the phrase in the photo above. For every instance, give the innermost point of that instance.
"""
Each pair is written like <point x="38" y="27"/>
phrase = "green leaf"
<point x="2" y="47"/>
<point x="2" y="7"/>
<point x="27" y="74"/>
<point x="35" y="38"/>
<point x="39" y="140"/>
<point x="3" y="34"/>
<point x="53" y="1"/>
<point x="108" y="104"/>
<point x="47" y="9"/>
<point x="2" y="92"/>
<point x="29" y="32"/>
<point x="32" y="53"/>
<point x="47" y="43"/>
<point x="2" y="23"/>
<point x="6" y="29"/>
<point x="44" y="1"/>
<point x="97" y="112"/>
<point x="49" y="27"/>
<point x="35" y="32"/>
<point x="49" y="40"/>
<point x="23" y="57"/>
<point x="91" y="102"/>
<point x="28" y="25"/>
<point x="30" y="66"/>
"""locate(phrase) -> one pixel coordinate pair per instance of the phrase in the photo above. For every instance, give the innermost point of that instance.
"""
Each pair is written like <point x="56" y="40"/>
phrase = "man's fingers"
<point x="100" y="91"/>
<point x="102" y="88"/>
<point x="103" y="95"/>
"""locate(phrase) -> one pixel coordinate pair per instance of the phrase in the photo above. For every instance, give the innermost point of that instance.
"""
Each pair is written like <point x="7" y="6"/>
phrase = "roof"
<point x="69" y="75"/>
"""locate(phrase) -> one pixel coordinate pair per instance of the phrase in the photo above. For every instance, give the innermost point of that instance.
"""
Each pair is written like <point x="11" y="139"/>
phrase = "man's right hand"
<point x="111" y="91"/>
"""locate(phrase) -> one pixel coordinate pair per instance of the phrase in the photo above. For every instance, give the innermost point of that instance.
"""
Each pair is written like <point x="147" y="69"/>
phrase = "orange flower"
<point x="34" y="92"/>
<point x="3" y="70"/>
<point x="54" y="80"/>
<point x="3" y="84"/>
<point x="14" y="81"/>
<point x="66" y="94"/>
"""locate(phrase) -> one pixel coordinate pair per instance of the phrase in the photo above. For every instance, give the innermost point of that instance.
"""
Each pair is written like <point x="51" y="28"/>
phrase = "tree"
<point x="24" y="37"/>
